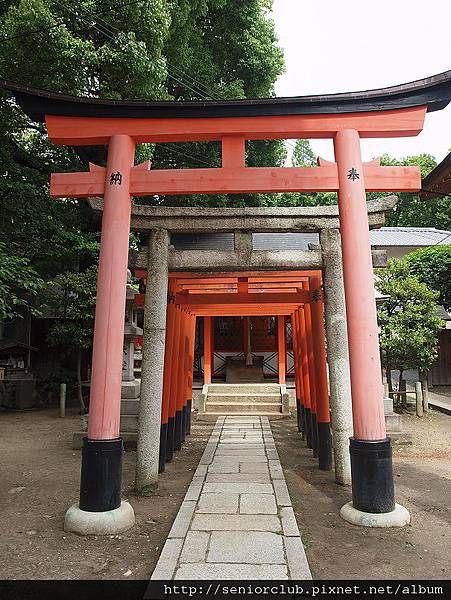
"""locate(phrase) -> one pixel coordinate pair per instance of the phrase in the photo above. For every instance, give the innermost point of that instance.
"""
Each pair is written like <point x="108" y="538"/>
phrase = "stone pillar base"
<point x="396" y="518"/>
<point x="109" y="522"/>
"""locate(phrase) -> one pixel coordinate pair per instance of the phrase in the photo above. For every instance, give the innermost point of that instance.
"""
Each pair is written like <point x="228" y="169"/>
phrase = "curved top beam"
<point x="433" y="92"/>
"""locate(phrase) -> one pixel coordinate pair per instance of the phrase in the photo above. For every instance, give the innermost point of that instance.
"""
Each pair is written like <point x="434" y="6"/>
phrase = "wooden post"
<point x="173" y="384"/>
<point x="419" y="398"/>
<point x="165" y="453"/>
<point x="322" y="391"/>
<point x="281" y="348"/>
<point x="425" y="388"/>
<point x="306" y="387"/>
<point x="101" y="470"/>
<point x="179" y="385"/>
<point x="189" y="385"/>
<point x="62" y="400"/>
<point x="312" y="376"/>
<point x="370" y="449"/>
<point x="207" y="350"/>
<point x="297" y="375"/>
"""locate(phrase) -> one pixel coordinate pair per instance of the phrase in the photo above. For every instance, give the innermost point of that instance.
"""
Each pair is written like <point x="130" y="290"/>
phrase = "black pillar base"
<point x="170" y="439"/>
<point x="314" y="436"/>
<point x="178" y="430"/>
<point x="183" y="423"/>
<point x="308" y="426"/>
<point x="324" y="447"/>
<point x="163" y="441"/>
<point x="303" y="421"/>
<point x="372" y="475"/>
<point x="298" y="414"/>
<point x="188" y="416"/>
<point x="101" y="474"/>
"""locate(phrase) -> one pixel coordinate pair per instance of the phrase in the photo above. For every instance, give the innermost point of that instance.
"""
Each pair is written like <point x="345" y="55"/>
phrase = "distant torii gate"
<point x="345" y="118"/>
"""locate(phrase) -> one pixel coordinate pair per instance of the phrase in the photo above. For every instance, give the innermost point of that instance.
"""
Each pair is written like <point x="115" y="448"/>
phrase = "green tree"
<point x="127" y="49"/>
<point x="303" y="155"/>
<point x="19" y="284"/>
<point x="432" y="266"/>
<point x="410" y="210"/>
<point x="72" y="298"/>
<point x="408" y="327"/>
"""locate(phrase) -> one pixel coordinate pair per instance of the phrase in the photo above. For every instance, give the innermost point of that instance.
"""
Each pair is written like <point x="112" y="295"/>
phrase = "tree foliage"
<point x="71" y="297"/>
<point x="432" y="266"/>
<point x="410" y="211"/>
<point x="125" y="49"/>
<point x="19" y="284"/>
<point x="408" y="327"/>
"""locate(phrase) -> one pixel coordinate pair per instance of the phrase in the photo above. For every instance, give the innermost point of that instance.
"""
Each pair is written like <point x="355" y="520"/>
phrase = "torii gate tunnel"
<point x="346" y="119"/>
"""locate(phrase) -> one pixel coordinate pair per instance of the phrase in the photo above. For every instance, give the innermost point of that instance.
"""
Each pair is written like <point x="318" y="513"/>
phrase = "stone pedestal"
<point x="393" y="424"/>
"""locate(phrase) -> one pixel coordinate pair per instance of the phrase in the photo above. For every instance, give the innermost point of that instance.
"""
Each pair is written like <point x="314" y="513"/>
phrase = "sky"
<point x="351" y="45"/>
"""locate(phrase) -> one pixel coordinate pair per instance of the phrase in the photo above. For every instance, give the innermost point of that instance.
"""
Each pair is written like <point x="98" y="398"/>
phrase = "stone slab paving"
<point x="236" y="521"/>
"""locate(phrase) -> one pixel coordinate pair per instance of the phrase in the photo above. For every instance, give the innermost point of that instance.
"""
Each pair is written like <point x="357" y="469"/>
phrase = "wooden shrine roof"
<point x="438" y="182"/>
<point x="433" y="92"/>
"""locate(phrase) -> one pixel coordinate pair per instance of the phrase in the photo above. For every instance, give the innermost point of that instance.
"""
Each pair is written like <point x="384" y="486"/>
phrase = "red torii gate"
<point x="345" y="118"/>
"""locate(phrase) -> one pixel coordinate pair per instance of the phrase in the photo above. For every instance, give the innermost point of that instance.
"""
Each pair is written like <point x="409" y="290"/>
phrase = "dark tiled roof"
<point x="383" y="237"/>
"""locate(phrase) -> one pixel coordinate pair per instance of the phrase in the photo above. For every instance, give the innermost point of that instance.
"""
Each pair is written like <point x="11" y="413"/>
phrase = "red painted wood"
<point x="281" y="349"/>
<point x="237" y="180"/>
<point x="81" y="131"/>
<point x="173" y="388"/>
<point x="207" y="349"/>
<point x="181" y="361"/>
<point x="319" y="349"/>
<point x="168" y="362"/>
<point x="358" y="278"/>
<point x="295" y="337"/>
<point x="303" y="349"/>
<point x="310" y="358"/>
<point x="107" y="356"/>
<point x="194" y="300"/>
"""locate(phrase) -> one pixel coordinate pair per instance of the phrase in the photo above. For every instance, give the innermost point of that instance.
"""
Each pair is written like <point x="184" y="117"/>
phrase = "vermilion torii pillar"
<point x="370" y="449"/>
<point x="101" y="468"/>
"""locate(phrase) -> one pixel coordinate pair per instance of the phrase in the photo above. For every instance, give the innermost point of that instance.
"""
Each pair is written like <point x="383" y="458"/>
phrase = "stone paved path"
<point x="236" y="521"/>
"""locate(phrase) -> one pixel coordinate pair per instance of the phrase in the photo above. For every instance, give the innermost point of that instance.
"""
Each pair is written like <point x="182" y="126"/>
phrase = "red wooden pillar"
<point x="207" y="349"/>
<point x="101" y="468"/>
<point x="189" y="386"/>
<point x="301" y="378"/>
<point x="297" y="374"/>
<point x="304" y="368"/>
<point x="173" y="383"/>
<point x="180" y="382"/>
<point x="312" y="374"/>
<point x="245" y="335"/>
<point x="166" y="384"/>
<point x="281" y="348"/>
<point x="322" y="392"/>
<point x="371" y="459"/>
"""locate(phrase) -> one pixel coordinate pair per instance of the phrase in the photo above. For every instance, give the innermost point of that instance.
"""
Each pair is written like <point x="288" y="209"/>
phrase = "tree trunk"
<point x="424" y="384"/>
<point x="389" y="381"/>
<point x="402" y="390"/>
<point x="79" y="386"/>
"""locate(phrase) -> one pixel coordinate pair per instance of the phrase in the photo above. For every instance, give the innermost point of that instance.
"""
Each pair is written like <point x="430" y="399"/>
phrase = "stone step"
<point x="129" y="406"/>
<point x="249" y="398"/>
<point x="393" y="423"/>
<point x="243" y="407"/>
<point x="244" y="388"/>
<point x="129" y="422"/>
<point x="211" y="417"/>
